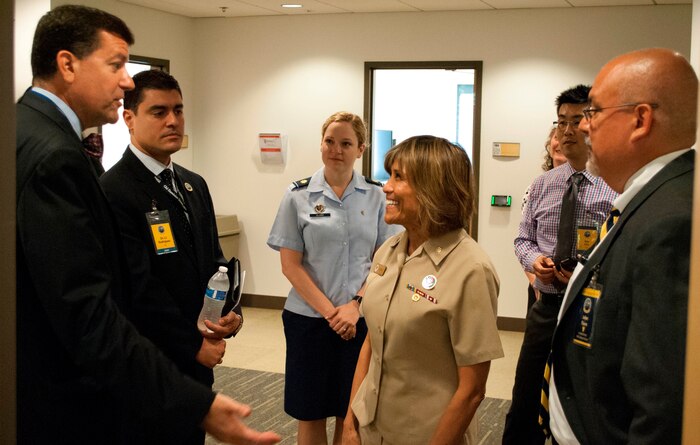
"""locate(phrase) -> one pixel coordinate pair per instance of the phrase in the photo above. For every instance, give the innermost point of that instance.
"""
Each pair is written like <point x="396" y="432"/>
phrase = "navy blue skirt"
<point x="319" y="368"/>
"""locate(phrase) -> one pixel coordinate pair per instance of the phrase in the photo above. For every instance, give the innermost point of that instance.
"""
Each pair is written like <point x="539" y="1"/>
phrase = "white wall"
<point x="289" y="73"/>
<point x="164" y="36"/>
<point x="27" y="14"/>
<point x="243" y="76"/>
<point x="695" y="39"/>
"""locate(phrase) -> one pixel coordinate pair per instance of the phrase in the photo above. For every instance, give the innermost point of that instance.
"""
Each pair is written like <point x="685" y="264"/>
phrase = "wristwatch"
<point x="357" y="298"/>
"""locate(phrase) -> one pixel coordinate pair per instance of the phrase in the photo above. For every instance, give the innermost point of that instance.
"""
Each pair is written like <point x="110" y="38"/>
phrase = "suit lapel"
<point x="188" y="194"/>
<point x="153" y="191"/>
<point x="44" y="106"/>
<point x="677" y="167"/>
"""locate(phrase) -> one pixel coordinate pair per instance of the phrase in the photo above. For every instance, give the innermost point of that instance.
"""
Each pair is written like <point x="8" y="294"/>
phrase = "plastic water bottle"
<point x="214" y="298"/>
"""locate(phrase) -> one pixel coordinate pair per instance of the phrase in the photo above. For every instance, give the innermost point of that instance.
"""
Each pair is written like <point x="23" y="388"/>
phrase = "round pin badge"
<point x="415" y="297"/>
<point x="429" y="282"/>
<point x="188" y="187"/>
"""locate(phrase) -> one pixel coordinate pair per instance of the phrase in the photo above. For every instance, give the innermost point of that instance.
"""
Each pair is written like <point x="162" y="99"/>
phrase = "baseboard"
<point x="511" y="324"/>
<point x="263" y="301"/>
<point x="272" y="302"/>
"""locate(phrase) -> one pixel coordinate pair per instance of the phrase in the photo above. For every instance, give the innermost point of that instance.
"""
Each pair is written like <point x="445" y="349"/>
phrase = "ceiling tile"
<point x="203" y="8"/>
<point x="309" y="6"/>
<point x="245" y="8"/>
<point x="371" y="5"/>
<point x="527" y="4"/>
<point x="581" y="3"/>
<point x="448" y="5"/>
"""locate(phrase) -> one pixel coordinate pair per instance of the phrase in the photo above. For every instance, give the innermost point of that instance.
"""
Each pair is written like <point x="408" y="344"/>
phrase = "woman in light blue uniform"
<point x="326" y="230"/>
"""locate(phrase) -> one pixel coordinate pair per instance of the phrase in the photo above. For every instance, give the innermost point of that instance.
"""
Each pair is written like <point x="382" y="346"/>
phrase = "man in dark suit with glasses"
<point x="618" y="354"/>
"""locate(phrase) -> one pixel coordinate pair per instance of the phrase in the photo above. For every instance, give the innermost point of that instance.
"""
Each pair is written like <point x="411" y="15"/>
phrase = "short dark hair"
<point x="574" y="95"/>
<point x="441" y="175"/>
<point x="154" y="79"/>
<point x="72" y="28"/>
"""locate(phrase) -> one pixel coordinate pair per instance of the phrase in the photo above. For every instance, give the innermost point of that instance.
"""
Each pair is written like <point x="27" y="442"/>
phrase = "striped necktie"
<point x="609" y="223"/>
<point x="180" y="211"/>
<point x="543" y="418"/>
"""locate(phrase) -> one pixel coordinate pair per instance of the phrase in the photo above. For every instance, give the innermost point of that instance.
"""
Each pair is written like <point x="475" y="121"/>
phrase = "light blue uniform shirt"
<point x="337" y="236"/>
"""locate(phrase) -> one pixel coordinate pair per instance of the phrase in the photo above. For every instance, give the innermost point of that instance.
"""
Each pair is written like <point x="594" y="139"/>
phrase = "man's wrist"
<point x="239" y="327"/>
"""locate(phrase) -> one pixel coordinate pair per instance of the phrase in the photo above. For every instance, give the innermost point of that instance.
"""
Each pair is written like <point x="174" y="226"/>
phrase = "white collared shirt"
<point x="154" y="166"/>
<point x="558" y="424"/>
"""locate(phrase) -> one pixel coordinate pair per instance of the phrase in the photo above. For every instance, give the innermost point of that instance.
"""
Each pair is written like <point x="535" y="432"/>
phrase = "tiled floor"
<point x="260" y="346"/>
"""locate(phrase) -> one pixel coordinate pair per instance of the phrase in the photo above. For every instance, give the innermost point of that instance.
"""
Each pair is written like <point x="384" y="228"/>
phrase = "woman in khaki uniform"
<point x="430" y="307"/>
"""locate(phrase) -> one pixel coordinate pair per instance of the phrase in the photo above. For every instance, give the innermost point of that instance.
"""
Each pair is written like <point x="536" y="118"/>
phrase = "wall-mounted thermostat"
<point x="500" y="200"/>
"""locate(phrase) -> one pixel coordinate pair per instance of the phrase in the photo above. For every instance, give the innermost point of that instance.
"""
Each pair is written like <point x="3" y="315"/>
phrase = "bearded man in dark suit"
<point x="85" y="375"/>
<point x="618" y="352"/>
<point x="168" y="280"/>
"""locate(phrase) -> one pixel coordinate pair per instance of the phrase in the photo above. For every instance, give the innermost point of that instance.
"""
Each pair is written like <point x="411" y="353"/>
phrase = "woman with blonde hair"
<point x="326" y="230"/>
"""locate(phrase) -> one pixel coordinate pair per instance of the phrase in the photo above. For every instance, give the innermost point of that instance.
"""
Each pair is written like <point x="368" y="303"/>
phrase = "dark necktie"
<point x="565" y="233"/>
<point x="180" y="211"/>
<point x="94" y="146"/>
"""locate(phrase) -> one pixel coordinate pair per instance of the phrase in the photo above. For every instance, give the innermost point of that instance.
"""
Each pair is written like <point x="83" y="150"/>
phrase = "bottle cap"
<point x="223" y="269"/>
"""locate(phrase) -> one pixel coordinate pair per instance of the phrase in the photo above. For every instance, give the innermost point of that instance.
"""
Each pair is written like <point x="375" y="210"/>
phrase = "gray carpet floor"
<point x="264" y="392"/>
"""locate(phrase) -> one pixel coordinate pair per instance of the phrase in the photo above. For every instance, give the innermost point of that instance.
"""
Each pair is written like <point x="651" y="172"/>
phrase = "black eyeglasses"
<point x="562" y="124"/>
<point x="589" y="112"/>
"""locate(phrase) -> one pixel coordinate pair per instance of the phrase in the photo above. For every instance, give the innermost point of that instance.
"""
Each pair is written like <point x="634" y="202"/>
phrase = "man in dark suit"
<point x="85" y="375"/>
<point x="168" y="283"/>
<point x="619" y="348"/>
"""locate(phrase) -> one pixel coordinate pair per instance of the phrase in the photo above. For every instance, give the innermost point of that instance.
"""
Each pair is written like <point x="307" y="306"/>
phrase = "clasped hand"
<point x="343" y="320"/>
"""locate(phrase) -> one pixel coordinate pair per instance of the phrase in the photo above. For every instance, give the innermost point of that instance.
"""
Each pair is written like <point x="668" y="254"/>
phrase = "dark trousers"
<point x="521" y="425"/>
<point x="531" y="297"/>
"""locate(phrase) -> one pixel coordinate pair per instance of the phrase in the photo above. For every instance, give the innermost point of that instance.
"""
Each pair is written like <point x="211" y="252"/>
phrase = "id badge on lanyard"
<point x="587" y="234"/>
<point x="585" y="318"/>
<point x="161" y="230"/>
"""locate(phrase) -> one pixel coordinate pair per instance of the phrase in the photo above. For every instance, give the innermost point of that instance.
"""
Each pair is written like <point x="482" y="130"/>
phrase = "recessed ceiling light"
<point x="292" y="5"/>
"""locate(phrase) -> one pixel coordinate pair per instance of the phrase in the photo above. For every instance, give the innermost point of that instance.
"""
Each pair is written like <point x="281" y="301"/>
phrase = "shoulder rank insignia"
<point x="300" y="183"/>
<point x="372" y="181"/>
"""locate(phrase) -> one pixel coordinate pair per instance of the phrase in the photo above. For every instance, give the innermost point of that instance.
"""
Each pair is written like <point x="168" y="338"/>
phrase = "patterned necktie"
<point x="94" y="146"/>
<point x="180" y="211"/>
<point x="565" y="233"/>
<point x="543" y="418"/>
<point x="609" y="222"/>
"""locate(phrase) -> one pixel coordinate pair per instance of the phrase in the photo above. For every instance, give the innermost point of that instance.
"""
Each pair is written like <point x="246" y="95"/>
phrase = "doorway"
<point x="404" y="99"/>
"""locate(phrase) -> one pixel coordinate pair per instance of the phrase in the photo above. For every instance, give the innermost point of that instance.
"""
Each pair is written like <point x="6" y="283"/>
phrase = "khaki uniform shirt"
<point x="420" y="336"/>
